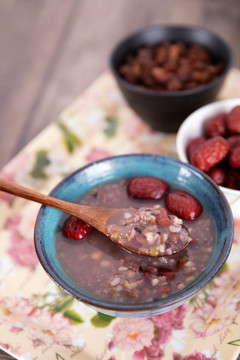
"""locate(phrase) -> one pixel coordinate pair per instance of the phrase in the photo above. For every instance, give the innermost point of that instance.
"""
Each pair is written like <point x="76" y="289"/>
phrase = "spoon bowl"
<point x="97" y="217"/>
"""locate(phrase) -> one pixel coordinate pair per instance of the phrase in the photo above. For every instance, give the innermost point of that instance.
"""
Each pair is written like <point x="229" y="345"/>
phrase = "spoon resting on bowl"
<point x="157" y="235"/>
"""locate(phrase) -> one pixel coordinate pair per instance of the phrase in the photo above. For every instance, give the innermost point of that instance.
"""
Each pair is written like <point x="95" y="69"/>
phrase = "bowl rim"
<point x="185" y="124"/>
<point x="177" y="298"/>
<point x="197" y="90"/>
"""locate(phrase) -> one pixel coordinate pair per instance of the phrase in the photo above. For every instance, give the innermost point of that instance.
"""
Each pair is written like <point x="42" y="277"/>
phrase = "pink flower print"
<point x="236" y="237"/>
<point x="164" y="324"/>
<point x="227" y="285"/>
<point x="221" y="307"/>
<point x="5" y="197"/>
<point x="154" y="352"/>
<point x="15" y="311"/>
<point x="193" y="356"/>
<point x="21" y="236"/>
<point x="9" y="349"/>
<point x="173" y="318"/>
<point x="22" y="252"/>
<point x="163" y="332"/>
<point x="12" y="171"/>
<point x="13" y="222"/>
<point x="27" y="223"/>
<point x="133" y="334"/>
<point x="139" y="355"/>
<point x="210" y="319"/>
<point x="40" y="326"/>
<point x="97" y="154"/>
<point x="15" y="329"/>
<point x="49" y="329"/>
<point x="135" y="128"/>
<point x="18" y="164"/>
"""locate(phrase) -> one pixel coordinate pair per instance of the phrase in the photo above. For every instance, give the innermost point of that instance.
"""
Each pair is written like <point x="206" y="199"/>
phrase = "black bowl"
<point x="165" y="111"/>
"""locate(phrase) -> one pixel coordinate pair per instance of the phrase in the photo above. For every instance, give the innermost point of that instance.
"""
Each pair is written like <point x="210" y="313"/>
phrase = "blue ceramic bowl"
<point x="177" y="174"/>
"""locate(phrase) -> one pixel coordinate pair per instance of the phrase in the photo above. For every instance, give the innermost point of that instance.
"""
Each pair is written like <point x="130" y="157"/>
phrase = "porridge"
<point x="103" y="269"/>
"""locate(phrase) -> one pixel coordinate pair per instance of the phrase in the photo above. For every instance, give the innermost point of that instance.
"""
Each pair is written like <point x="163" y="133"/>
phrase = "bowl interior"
<point x="177" y="174"/>
<point x="189" y="35"/>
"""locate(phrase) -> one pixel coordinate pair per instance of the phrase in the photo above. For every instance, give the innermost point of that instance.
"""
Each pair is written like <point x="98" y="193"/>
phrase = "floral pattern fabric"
<point x="38" y="320"/>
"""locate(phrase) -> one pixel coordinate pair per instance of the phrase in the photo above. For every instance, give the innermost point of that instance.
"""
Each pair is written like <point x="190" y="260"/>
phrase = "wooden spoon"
<point x="97" y="217"/>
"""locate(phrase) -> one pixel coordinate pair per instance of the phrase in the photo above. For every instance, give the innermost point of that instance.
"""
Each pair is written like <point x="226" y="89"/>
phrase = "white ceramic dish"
<point x="193" y="126"/>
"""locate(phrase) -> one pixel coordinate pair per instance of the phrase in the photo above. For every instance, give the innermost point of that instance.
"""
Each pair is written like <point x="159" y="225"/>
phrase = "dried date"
<point x="210" y="153"/>
<point x="218" y="154"/>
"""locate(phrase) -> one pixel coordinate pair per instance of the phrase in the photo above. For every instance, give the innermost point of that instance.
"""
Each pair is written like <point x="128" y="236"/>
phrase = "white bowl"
<point x="193" y="126"/>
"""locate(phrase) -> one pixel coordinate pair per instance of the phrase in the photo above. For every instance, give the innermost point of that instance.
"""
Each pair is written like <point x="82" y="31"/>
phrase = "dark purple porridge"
<point x="103" y="269"/>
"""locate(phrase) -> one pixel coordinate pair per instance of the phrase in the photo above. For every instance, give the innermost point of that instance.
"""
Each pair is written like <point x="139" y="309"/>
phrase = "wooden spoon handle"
<point x="97" y="217"/>
<point x="35" y="196"/>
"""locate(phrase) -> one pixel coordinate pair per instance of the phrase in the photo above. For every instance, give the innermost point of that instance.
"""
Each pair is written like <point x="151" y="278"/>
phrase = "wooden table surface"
<point x="51" y="50"/>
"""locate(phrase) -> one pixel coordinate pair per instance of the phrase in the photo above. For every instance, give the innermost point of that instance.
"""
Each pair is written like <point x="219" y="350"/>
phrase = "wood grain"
<point x="51" y="50"/>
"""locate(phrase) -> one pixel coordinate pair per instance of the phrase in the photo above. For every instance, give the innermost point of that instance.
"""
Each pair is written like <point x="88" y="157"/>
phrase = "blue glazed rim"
<point x="141" y="164"/>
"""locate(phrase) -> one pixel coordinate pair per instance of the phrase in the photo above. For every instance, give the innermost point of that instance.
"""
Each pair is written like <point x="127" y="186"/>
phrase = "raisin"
<point x="191" y="85"/>
<point x="201" y="77"/>
<point x="199" y="65"/>
<point x="174" y="84"/>
<point x="126" y="72"/>
<point x="169" y="67"/>
<point x="168" y="273"/>
<point x="184" y="73"/>
<point x="147" y="188"/>
<point x="164" y="290"/>
<point x="151" y="270"/>
<point x="130" y="293"/>
<point x="183" y="205"/>
<point x="182" y="261"/>
<point x="210" y="153"/>
<point x="174" y="52"/>
<point x="159" y="74"/>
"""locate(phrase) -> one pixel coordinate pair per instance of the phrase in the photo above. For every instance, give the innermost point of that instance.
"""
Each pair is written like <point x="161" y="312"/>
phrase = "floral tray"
<point x="37" y="320"/>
